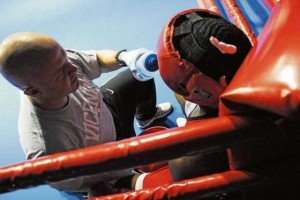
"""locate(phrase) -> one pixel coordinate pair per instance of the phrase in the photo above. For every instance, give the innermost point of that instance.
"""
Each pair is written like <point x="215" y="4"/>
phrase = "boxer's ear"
<point x="223" y="47"/>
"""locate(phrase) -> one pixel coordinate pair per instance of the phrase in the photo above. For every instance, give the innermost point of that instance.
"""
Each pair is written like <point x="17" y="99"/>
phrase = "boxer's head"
<point x="198" y="54"/>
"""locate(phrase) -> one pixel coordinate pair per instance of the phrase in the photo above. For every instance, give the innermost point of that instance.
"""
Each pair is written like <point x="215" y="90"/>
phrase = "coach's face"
<point x="57" y="77"/>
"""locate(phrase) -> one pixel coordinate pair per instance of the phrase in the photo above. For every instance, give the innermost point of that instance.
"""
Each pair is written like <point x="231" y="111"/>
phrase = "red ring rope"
<point x="209" y="5"/>
<point x="202" y="136"/>
<point x="239" y="20"/>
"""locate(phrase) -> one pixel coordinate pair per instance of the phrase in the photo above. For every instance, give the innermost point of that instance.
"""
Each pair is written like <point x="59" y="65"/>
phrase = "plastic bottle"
<point x="146" y="66"/>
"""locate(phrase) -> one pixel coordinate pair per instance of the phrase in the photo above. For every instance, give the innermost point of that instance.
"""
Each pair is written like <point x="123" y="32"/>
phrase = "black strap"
<point x="194" y="17"/>
<point x="186" y="28"/>
<point x="183" y="29"/>
<point x="121" y="62"/>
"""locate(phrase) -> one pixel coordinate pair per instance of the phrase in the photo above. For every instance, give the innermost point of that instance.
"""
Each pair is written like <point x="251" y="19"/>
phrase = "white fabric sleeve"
<point x="88" y="62"/>
<point x="193" y="110"/>
<point x="140" y="182"/>
<point x="30" y="133"/>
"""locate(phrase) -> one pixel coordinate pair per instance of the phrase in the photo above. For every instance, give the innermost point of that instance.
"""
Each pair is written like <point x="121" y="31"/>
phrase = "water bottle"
<point x="146" y="66"/>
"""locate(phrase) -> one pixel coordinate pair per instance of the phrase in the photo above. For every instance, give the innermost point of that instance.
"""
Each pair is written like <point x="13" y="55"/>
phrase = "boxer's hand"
<point x="223" y="47"/>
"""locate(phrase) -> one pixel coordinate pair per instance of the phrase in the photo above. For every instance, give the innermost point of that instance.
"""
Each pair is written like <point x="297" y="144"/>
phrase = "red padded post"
<point x="269" y="78"/>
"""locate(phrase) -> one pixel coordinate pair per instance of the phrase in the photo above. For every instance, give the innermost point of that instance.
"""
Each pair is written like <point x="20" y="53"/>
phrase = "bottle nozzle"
<point x="151" y="63"/>
<point x="145" y="67"/>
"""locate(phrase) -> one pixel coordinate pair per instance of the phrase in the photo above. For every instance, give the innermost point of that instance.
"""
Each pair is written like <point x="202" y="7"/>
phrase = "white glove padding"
<point x="131" y="57"/>
<point x="135" y="59"/>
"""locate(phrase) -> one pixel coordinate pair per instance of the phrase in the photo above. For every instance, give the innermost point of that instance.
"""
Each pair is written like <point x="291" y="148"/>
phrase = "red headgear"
<point x="181" y="75"/>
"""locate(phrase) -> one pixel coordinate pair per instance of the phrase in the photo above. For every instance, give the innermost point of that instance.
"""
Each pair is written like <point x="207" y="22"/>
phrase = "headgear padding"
<point x="189" y="64"/>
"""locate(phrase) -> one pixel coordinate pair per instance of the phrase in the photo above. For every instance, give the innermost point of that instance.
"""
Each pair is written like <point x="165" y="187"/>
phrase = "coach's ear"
<point x="223" y="47"/>
<point x="30" y="91"/>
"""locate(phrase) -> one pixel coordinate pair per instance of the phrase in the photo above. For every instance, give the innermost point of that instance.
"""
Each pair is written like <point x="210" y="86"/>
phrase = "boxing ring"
<point x="274" y="90"/>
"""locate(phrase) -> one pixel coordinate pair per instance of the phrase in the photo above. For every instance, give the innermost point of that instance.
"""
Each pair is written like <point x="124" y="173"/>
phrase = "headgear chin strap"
<point x="179" y="74"/>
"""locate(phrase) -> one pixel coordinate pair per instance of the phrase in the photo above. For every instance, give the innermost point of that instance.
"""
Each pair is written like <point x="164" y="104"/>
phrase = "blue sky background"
<point x="83" y="25"/>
